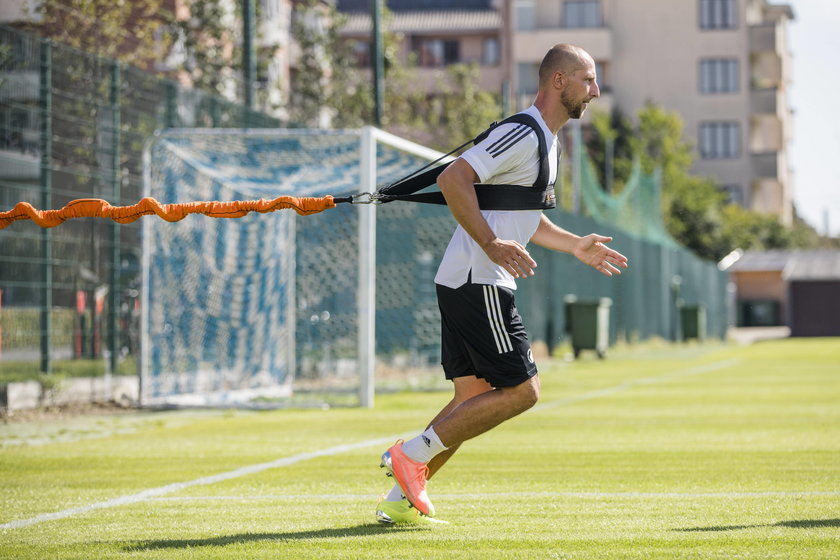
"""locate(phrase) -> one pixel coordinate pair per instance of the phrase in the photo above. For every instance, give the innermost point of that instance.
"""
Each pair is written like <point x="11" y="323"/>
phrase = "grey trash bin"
<point x="693" y="320"/>
<point x="588" y="324"/>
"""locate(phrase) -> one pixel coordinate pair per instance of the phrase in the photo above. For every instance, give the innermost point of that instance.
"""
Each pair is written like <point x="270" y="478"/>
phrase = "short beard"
<point x="574" y="110"/>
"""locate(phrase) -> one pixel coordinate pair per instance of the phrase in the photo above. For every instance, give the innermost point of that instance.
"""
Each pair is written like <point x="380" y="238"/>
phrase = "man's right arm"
<point x="457" y="183"/>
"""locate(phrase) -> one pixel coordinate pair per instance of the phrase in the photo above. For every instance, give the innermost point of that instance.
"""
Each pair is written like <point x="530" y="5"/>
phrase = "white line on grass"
<point x="169" y="488"/>
<point x="151" y="493"/>
<point x="483" y="495"/>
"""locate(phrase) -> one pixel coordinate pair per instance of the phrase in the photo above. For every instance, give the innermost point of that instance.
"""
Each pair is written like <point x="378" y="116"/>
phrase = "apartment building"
<point x="723" y="65"/>
<point x="437" y="33"/>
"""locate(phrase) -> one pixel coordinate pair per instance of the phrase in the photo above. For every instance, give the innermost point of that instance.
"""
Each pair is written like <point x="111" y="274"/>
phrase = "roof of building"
<point x="416" y="5"/>
<point x="758" y="261"/>
<point x="437" y="21"/>
<point x="813" y="265"/>
<point x="797" y="264"/>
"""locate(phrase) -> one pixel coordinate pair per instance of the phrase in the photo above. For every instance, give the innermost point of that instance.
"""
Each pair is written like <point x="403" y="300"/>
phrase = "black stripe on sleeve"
<point x="512" y="142"/>
<point x="507" y="135"/>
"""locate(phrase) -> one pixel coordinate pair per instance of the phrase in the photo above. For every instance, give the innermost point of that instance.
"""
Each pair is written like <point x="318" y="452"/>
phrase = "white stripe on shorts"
<point x="494" y="317"/>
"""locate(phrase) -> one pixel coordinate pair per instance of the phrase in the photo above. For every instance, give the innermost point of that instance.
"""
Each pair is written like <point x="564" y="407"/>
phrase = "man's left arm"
<point x="589" y="249"/>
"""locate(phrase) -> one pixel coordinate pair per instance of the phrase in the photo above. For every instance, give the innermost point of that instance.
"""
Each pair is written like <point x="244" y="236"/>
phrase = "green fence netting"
<point x="74" y="125"/>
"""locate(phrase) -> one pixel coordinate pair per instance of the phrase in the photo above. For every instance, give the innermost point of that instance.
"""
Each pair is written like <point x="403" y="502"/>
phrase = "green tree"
<point x="329" y="77"/>
<point x="118" y="29"/>
<point x="692" y="205"/>
<point x="454" y="113"/>
<point x="612" y="131"/>
<point x="695" y="209"/>
<point x="207" y="39"/>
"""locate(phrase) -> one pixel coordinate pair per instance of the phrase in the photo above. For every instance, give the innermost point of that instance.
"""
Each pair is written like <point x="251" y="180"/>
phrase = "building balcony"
<point x="18" y="166"/>
<point x="766" y="71"/>
<point x="765" y="165"/>
<point x="770" y="186"/>
<point x="429" y="78"/>
<point x="767" y="121"/>
<point x="766" y="134"/>
<point x="765" y="101"/>
<point x="768" y="197"/>
<point x="764" y="38"/>
<point x="530" y="46"/>
<point x="19" y="85"/>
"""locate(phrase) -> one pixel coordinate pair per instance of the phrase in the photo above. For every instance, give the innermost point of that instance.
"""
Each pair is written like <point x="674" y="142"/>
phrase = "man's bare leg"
<point x="475" y="408"/>
<point x="486" y="410"/>
<point x="465" y="389"/>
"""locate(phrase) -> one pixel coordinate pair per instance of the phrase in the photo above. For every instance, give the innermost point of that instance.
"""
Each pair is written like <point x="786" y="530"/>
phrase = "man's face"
<point x="580" y="89"/>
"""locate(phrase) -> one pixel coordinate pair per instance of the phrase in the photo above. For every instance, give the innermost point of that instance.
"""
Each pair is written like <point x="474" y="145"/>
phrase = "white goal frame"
<point x="369" y="138"/>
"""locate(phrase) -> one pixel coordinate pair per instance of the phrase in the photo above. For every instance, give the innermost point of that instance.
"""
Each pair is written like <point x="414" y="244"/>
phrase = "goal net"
<point x="275" y="309"/>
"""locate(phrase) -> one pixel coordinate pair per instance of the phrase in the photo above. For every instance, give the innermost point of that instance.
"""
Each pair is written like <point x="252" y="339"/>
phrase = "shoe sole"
<point x="384" y="519"/>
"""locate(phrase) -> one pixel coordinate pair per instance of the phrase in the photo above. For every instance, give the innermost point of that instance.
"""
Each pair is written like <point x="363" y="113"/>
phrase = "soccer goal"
<point x="277" y="309"/>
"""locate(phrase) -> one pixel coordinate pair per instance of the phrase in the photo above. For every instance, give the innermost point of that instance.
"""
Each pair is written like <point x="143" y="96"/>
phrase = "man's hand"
<point x="511" y="256"/>
<point x="592" y="251"/>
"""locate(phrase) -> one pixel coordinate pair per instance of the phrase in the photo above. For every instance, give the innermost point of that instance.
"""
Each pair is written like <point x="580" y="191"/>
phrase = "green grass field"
<point x="677" y="452"/>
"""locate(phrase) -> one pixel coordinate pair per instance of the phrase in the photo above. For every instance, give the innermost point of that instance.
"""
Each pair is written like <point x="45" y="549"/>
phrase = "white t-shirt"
<point x="508" y="156"/>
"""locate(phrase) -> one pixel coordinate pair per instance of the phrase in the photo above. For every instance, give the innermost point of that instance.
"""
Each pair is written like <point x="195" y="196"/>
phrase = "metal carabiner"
<point x="365" y="198"/>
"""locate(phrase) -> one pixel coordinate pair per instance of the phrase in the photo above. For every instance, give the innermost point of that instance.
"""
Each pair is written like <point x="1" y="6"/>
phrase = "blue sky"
<point x="815" y="149"/>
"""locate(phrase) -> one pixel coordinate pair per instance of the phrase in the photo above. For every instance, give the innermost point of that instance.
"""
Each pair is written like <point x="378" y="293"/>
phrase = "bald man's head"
<point x="562" y="58"/>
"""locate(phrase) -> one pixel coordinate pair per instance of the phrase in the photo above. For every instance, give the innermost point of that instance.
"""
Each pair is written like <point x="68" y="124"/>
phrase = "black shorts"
<point x="482" y="334"/>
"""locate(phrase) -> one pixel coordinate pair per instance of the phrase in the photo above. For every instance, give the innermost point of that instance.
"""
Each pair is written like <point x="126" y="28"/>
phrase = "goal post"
<point x="255" y="309"/>
<point x="370" y="137"/>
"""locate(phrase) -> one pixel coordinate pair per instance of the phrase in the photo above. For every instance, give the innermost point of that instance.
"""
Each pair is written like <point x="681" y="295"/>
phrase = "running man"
<point x="485" y="349"/>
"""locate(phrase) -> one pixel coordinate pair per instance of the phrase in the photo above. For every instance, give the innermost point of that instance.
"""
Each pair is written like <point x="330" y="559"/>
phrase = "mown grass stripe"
<point x="484" y="495"/>
<point x="175" y="487"/>
<point x="152" y="493"/>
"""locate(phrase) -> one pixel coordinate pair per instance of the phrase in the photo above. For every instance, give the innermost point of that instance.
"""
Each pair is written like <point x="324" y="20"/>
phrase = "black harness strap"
<point x="540" y="196"/>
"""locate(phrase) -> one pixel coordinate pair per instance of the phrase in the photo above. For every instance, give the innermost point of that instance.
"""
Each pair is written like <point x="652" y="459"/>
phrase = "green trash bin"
<point x="693" y="321"/>
<point x="588" y="324"/>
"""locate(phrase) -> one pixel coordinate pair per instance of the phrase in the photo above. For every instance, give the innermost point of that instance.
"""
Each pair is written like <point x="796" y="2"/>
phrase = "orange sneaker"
<point x="411" y="476"/>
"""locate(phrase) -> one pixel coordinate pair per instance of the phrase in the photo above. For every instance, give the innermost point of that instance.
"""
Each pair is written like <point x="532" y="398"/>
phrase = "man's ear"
<point x="559" y="79"/>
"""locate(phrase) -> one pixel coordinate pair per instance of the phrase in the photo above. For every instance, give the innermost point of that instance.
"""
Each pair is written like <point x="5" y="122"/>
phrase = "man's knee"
<point x="527" y="393"/>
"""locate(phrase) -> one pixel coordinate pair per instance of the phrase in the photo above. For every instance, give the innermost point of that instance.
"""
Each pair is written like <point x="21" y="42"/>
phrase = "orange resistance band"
<point x="97" y="208"/>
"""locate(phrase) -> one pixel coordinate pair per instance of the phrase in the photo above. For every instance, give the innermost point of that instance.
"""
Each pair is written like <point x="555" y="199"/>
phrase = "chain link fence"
<point x="74" y="125"/>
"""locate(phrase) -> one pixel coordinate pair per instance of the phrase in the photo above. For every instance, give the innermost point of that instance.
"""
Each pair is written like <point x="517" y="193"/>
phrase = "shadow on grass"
<point x="243" y="538"/>
<point x="795" y="524"/>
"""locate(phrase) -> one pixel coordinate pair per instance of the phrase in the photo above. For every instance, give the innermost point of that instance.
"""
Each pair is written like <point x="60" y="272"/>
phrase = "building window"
<point x="525" y="13"/>
<point x="720" y="140"/>
<point x="718" y="75"/>
<point x="718" y="14"/>
<point x="436" y="52"/>
<point x="491" y="54"/>
<point x="527" y="75"/>
<point x="735" y="194"/>
<point x="601" y="77"/>
<point x="361" y="53"/>
<point x="582" y="13"/>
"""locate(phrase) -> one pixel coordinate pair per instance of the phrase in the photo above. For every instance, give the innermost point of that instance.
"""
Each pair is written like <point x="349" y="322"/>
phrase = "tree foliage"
<point x="696" y="211"/>
<point x="207" y="38"/>
<point x="328" y="77"/>
<point x="118" y="29"/>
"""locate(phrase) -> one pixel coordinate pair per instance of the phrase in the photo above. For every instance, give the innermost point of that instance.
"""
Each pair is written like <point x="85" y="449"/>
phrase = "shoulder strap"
<point x="526" y="119"/>
<point x="405" y="188"/>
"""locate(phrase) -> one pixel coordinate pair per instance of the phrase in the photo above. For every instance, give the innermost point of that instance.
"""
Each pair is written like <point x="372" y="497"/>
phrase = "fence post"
<point x="45" y="106"/>
<point x="249" y="58"/>
<point x="171" y="109"/>
<point x="114" y="280"/>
